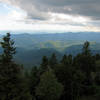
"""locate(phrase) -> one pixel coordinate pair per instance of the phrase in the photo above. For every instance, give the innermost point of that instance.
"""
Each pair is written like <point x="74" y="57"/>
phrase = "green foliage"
<point x="8" y="49"/>
<point x="73" y="78"/>
<point x="53" y="60"/>
<point x="12" y="86"/>
<point x="64" y="74"/>
<point x="45" y="64"/>
<point x="33" y="81"/>
<point x="49" y="88"/>
<point x="86" y="49"/>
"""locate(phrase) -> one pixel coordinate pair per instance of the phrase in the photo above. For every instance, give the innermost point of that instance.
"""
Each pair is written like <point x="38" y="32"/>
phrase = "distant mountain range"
<point x="31" y="47"/>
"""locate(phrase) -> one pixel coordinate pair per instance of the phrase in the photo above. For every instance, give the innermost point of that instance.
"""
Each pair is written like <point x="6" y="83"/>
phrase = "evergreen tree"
<point x="8" y="49"/>
<point x="34" y="80"/>
<point x="71" y="78"/>
<point x="87" y="60"/>
<point x="64" y="76"/>
<point x="86" y="48"/>
<point x="49" y="88"/>
<point x="44" y="64"/>
<point x="86" y="64"/>
<point x="77" y="80"/>
<point x="64" y="73"/>
<point x="12" y="85"/>
<point x="63" y="61"/>
<point x="67" y="60"/>
<point x="53" y="60"/>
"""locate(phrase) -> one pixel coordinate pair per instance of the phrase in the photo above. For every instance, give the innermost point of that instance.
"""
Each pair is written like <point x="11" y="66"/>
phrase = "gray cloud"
<point x="89" y="8"/>
<point x="38" y="9"/>
<point x="67" y="2"/>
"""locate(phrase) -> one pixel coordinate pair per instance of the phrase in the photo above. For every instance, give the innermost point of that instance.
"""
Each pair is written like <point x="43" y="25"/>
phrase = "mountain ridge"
<point x="32" y="47"/>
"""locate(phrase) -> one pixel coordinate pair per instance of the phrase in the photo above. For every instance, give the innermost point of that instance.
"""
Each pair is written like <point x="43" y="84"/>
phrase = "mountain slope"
<point x="32" y="47"/>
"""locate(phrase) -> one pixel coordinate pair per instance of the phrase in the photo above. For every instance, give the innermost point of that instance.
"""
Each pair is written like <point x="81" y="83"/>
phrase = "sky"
<point x="50" y="15"/>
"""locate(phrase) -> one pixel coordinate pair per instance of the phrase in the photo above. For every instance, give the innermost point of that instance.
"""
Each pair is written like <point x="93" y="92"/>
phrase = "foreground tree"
<point x="8" y="50"/>
<point x="33" y="81"/>
<point x="85" y="62"/>
<point x="49" y="88"/>
<point x="12" y="86"/>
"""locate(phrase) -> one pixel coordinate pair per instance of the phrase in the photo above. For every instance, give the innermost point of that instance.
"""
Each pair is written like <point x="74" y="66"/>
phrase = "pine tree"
<point x="33" y="81"/>
<point x="86" y="64"/>
<point x="64" y="75"/>
<point x="87" y="60"/>
<point x="12" y="86"/>
<point x="63" y="61"/>
<point x="86" y="48"/>
<point x="8" y="49"/>
<point x="49" y="88"/>
<point x="53" y="60"/>
<point x="45" y="64"/>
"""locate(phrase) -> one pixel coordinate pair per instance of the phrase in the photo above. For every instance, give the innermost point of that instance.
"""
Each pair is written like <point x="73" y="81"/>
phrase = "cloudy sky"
<point x="50" y="15"/>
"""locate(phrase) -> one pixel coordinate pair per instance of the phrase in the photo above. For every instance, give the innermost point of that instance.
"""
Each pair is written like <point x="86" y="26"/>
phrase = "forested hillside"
<point x="55" y="78"/>
<point x="31" y="48"/>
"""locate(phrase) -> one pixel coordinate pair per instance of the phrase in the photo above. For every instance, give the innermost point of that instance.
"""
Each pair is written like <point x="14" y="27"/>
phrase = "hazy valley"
<point x="32" y="47"/>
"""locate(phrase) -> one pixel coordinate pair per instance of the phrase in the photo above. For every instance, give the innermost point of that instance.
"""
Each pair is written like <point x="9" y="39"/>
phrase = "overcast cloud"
<point x="71" y="12"/>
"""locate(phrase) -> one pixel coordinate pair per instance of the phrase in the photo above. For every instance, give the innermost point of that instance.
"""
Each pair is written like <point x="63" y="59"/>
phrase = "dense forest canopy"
<point x="71" y="78"/>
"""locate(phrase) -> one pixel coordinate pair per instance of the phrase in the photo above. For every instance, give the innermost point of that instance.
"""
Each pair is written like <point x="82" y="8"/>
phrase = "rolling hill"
<point x="32" y="47"/>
